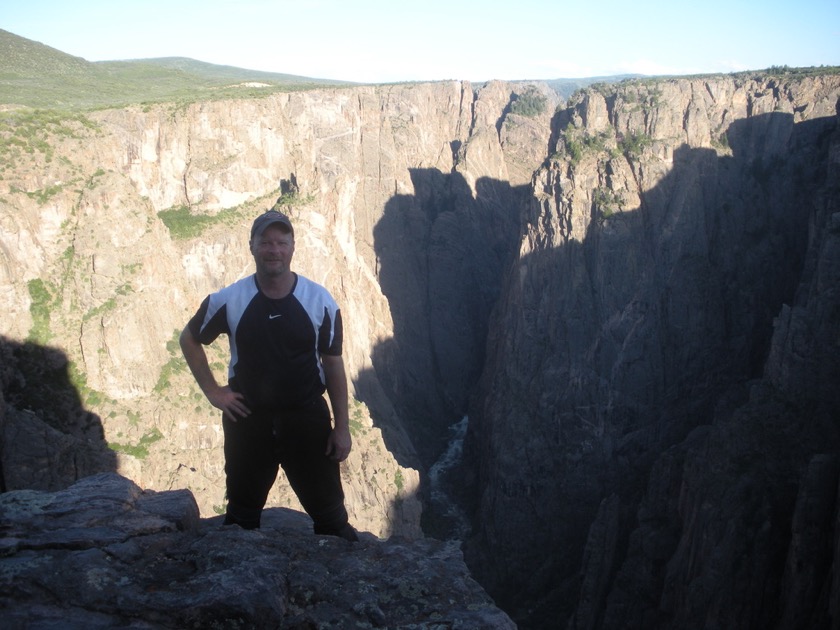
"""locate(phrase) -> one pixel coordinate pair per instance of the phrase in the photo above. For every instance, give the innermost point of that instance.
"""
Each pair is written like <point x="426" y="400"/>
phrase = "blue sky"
<point x="392" y="40"/>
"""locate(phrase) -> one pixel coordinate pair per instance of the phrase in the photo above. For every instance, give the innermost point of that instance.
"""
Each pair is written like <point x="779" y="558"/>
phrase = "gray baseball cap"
<point x="269" y="218"/>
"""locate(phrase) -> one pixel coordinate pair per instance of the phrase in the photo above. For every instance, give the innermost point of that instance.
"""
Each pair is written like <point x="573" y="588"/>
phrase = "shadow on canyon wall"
<point x="661" y="320"/>
<point x="48" y="439"/>
<point x="442" y="254"/>
<point x="603" y="357"/>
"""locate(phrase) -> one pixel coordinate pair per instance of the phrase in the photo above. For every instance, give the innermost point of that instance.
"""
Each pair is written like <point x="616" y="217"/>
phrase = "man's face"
<point x="273" y="251"/>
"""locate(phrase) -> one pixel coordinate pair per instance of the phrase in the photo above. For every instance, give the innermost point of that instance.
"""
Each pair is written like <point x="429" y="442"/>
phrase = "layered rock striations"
<point x="654" y="433"/>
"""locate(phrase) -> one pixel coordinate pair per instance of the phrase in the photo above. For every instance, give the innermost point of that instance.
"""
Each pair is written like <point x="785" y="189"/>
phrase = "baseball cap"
<point x="269" y="218"/>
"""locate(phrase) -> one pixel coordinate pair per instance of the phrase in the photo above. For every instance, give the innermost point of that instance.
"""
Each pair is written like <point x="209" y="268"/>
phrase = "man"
<point x="285" y="337"/>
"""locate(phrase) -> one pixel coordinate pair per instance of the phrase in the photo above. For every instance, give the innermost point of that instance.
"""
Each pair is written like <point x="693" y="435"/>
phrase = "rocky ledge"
<point x="104" y="553"/>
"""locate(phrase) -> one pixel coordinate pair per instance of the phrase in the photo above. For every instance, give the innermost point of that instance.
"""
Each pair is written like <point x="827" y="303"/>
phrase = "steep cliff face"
<point x="103" y="260"/>
<point x="639" y="460"/>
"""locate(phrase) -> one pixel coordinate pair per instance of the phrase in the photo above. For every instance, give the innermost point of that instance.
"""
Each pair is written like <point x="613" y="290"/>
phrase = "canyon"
<point x="632" y="297"/>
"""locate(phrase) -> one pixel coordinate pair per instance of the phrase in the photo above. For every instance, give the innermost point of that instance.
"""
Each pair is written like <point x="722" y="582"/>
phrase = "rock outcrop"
<point x="105" y="554"/>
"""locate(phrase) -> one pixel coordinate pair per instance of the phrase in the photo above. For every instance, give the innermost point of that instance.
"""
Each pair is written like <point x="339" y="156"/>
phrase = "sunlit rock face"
<point x="95" y="267"/>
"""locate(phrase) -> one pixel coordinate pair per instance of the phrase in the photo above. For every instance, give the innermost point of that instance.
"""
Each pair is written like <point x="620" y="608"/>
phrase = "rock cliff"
<point x="632" y="295"/>
<point x="655" y="431"/>
<point x="115" y="224"/>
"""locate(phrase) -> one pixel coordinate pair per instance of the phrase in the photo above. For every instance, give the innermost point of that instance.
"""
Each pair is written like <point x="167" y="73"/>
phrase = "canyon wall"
<point x="386" y="187"/>
<point x="655" y="430"/>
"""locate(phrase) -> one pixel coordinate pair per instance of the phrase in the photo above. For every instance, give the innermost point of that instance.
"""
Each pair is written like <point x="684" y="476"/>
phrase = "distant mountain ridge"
<point x="214" y="72"/>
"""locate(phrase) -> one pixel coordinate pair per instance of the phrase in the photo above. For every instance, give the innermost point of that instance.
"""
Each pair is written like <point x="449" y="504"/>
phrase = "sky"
<point x="383" y="41"/>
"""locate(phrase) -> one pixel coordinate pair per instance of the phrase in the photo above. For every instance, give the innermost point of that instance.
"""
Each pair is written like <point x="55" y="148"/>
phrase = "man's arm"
<point x="223" y="398"/>
<point x="339" y="442"/>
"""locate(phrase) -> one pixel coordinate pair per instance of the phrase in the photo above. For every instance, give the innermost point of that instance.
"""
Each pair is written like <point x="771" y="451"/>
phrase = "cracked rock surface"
<point x="106" y="554"/>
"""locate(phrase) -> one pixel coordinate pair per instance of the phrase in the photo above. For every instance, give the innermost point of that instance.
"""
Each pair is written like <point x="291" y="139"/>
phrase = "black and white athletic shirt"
<point x="275" y="345"/>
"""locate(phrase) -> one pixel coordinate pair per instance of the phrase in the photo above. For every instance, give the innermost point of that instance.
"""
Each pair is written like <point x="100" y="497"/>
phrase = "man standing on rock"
<point x="285" y="336"/>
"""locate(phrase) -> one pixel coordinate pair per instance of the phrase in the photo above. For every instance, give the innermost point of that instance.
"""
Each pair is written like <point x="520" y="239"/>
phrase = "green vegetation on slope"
<point x="35" y="75"/>
<point x="530" y="103"/>
<point x="25" y="132"/>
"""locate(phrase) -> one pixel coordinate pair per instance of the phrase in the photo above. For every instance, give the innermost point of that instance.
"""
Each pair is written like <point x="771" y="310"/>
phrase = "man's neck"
<point x="276" y="287"/>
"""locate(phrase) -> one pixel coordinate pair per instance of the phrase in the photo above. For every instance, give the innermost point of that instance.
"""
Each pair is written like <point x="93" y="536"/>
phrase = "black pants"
<point x="296" y="440"/>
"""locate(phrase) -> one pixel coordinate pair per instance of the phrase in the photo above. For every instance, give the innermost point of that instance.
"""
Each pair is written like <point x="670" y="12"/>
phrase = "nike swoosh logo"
<point x="275" y="316"/>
